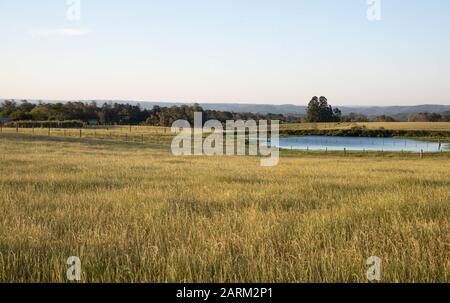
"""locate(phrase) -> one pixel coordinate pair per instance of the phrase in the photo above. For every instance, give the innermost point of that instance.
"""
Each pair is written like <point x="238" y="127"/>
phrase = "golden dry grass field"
<point x="136" y="213"/>
<point x="426" y="126"/>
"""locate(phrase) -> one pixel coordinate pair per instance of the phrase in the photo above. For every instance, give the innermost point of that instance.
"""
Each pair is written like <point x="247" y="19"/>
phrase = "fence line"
<point x="159" y="136"/>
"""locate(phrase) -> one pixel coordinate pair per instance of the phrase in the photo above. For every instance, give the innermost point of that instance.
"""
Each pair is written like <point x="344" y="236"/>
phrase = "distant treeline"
<point x="124" y="114"/>
<point x="421" y="117"/>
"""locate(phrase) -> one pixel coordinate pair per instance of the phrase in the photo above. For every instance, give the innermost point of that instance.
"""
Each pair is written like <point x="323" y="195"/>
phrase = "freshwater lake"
<point x="360" y="144"/>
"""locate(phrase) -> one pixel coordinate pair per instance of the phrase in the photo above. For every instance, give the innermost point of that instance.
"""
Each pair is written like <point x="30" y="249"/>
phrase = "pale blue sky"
<point x="249" y="51"/>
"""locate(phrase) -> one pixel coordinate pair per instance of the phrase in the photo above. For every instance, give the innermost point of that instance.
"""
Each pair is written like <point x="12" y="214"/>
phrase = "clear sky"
<point x="248" y="51"/>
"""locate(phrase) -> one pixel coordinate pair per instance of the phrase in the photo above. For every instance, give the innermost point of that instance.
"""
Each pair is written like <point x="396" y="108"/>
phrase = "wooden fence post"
<point x="80" y="133"/>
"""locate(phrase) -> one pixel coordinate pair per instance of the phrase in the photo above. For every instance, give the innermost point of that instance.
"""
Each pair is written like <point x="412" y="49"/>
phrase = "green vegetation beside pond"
<point x="365" y="132"/>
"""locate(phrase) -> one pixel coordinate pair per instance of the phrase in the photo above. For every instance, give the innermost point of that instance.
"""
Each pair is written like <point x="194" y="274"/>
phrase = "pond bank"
<point x="365" y="132"/>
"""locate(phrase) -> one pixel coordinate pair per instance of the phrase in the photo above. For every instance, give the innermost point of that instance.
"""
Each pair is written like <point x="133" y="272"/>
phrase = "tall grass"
<point x="136" y="213"/>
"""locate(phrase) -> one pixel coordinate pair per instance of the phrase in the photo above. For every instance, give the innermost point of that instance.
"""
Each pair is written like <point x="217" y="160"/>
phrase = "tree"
<point x="337" y="115"/>
<point x="8" y="107"/>
<point x="313" y="112"/>
<point x="320" y="111"/>
<point x="40" y="113"/>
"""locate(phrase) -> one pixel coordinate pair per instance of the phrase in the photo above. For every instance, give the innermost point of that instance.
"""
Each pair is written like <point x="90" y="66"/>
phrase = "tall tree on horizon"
<point x="313" y="112"/>
<point x="320" y="111"/>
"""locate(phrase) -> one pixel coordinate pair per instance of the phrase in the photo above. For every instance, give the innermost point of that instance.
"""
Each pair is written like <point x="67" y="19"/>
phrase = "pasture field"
<point x="136" y="134"/>
<point x="133" y="212"/>
<point x="163" y="135"/>
<point x="426" y="126"/>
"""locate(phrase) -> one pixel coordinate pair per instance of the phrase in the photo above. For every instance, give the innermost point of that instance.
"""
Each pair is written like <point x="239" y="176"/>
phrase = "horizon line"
<point x="208" y="103"/>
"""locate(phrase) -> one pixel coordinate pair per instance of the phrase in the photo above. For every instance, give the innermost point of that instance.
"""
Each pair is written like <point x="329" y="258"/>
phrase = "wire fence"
<point x="135" y="134"/>
<point x="362" y="144"/>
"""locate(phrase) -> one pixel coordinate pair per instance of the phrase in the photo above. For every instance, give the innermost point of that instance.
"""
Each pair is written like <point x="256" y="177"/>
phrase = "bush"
<point x="46" y="124"/>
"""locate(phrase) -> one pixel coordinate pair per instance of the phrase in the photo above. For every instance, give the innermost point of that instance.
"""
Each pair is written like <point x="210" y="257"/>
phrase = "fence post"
<point x="421" y="154"/>
<point x="80" y="133"/>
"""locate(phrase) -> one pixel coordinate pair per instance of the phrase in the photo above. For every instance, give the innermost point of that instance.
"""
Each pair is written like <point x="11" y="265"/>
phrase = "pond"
<point x="360" y="144"/>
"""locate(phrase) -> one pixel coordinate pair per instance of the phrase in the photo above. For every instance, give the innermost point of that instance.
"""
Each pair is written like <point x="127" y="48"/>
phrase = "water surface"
<point x="360" y="144"/>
